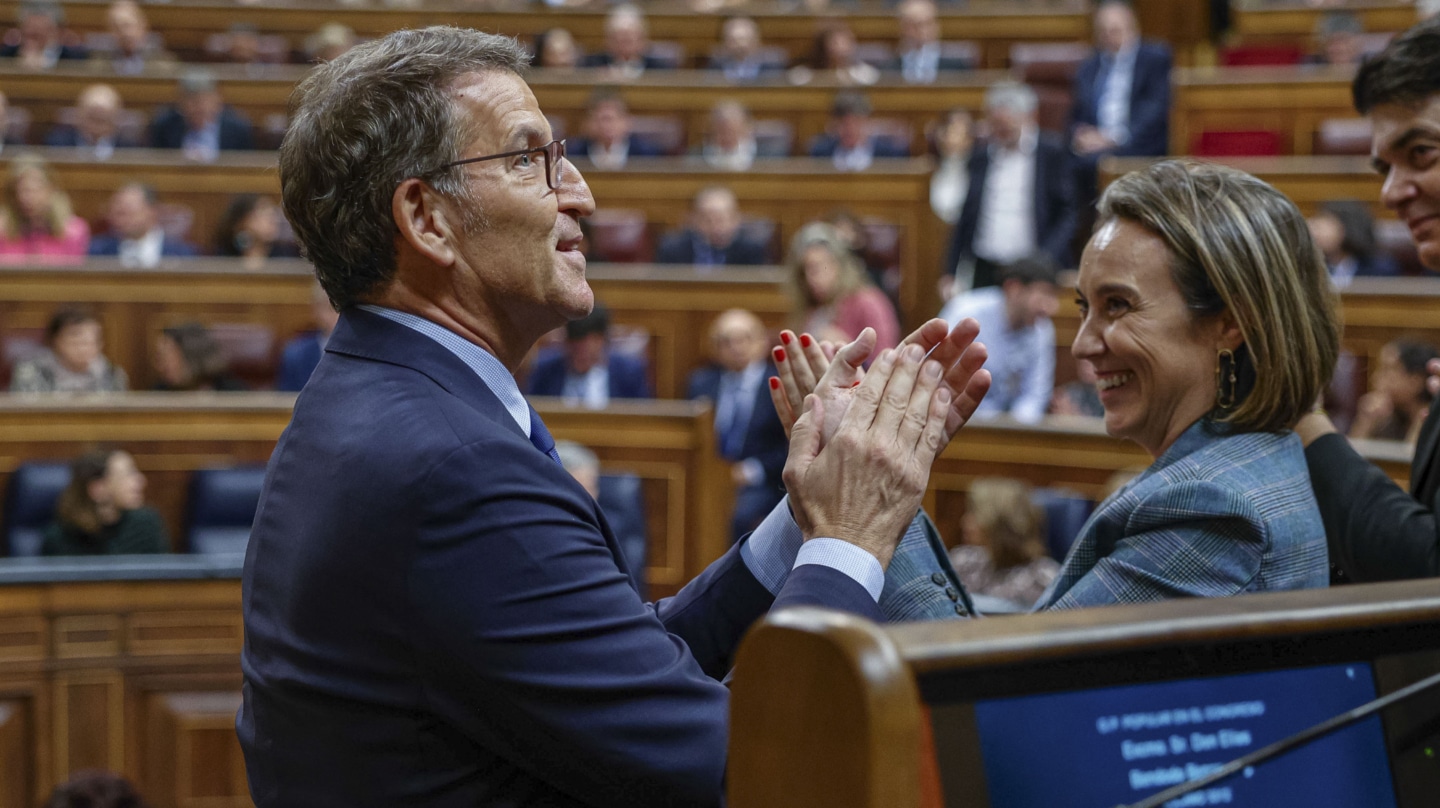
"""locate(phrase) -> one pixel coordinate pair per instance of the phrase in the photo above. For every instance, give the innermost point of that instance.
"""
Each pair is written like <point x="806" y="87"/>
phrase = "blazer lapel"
<point x="1421" y="475"/>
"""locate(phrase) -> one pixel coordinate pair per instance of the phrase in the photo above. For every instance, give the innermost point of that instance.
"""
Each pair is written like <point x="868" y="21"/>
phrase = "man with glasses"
<point x="435" y="612"/>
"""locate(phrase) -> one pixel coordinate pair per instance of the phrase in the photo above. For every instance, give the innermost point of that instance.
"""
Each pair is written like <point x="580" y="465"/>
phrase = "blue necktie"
<point x="540" y="436"/>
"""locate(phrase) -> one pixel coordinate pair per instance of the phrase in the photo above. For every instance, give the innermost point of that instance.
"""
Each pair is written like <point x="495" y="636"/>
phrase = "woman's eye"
<point x="1083" y="306"/>
<point x="1115" y="306"/>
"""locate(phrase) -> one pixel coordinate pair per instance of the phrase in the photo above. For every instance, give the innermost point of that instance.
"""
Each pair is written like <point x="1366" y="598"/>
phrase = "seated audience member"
<point x="1338" y="35"/>
<point x="834" y="300"/>
<point x="1021" y="198"/>
<point x="950" y="142"/>
<point x="36" y="221"/>
<point x="848" y="140"/>
<point x="585" y="372"/>
<point x="730" y="140"/>
<point x="73" y="360"/>
<point x="7" y="138"/>
<point x="41" y="41"/>
<point x="739" y="56"/>
<point x="301" y="354"/>
<point x="250" y="230"/>
<point x="96" y="130"/>
<point x="747" y="433"/>
<point x="627" y="45"/>
<point x="1398" y="400"/>
<point x="93" y="788"/>
<point x="242" y="45"/>
<point x="918" y="58"/>
<point x="833" y="56"/>
<point x="1345" y="232"/>
<point x="329" y="41"/>
<point x="556" y="49"/>
<point x="607" y="141"/>
<point x="200" y="124"/>
<point x="713" y="237"/>
<point x="136" y="236"/>
<point x="1079" y="397"/>
<point x="132" y="46"/>
<point x="1002" y="550"/>
<point x="1015" y="319"/>
<point x="188" y="358"/>
<point x="102" y="511"/>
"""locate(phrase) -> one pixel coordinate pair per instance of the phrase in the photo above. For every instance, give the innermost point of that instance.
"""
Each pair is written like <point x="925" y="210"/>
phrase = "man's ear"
<point x="424" y="220"/>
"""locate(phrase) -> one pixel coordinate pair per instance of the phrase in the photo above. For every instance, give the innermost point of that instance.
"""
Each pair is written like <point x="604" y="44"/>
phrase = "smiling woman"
<point x="1208" y="315"/>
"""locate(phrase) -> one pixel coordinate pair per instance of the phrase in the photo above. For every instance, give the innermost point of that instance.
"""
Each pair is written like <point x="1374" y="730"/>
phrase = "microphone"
<point x="1280" y="747"/>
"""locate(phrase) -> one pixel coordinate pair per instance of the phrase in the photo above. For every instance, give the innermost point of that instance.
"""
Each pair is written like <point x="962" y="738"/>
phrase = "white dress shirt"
<point x="144" y="251"/>
<point x="1112" y="112"/>
<point x="1005" y="231"/>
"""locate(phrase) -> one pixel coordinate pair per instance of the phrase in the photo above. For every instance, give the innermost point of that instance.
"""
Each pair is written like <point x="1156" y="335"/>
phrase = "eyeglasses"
<point x="554" y="152"/>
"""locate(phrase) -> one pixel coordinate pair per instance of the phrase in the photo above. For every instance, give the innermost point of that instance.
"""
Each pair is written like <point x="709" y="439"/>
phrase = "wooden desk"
<point x="1293" y="20"/>
<point x="996" y="26"/>
<point x="669" y="444"/>
<point x="1308" y="181"/>
<point x="1289" y="100"/>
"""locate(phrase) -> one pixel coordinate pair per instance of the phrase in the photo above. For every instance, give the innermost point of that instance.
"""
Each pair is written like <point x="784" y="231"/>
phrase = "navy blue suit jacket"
<point x="679" y="248"/>
<point x="764" y="436"/>
<point x="64" y="136"/>
<point x="437" y="614"/>
<point x="1055" y="208"/>
<point x="167" y="131"/>
<point x="172" y="248"/>
<point x="825" y="145"/>
<point x="628" y="376"/>
<point x="1149" y="100"/>
<point x="639" y="147"/>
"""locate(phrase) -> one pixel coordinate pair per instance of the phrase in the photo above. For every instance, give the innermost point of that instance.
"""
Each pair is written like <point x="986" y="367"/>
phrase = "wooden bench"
<point x="1292" y="20"/>
<point x="1290" y="101"/>
<point x="1308" y="181"/>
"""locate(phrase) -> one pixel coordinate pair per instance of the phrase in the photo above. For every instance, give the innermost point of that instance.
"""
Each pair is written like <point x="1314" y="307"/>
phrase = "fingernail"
<point x="779" y="354"/>
<point x="774" y="383"/>
<point x="913" y="353"/>
<point x="785" y="337"/>
<point x="855" y="383"/>
<point x="805" y="340"/>
<point x="931" y="370"/>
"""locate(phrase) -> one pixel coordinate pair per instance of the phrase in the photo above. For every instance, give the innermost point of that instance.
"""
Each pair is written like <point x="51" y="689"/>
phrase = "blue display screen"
<point x="1113" y="746"/>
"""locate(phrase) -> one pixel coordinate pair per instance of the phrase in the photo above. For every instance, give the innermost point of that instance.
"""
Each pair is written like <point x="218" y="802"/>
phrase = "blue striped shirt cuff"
<point x="847" y="558"/>
<point x="778" y="546"/>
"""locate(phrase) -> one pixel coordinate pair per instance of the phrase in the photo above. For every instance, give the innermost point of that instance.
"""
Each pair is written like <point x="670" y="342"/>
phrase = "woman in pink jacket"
<point x="36" y="221"/>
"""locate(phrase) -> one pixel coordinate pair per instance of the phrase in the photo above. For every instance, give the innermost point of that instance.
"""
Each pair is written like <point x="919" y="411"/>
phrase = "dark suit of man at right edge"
<point x="436" y="613"/>
<point x="1377" y="531"/>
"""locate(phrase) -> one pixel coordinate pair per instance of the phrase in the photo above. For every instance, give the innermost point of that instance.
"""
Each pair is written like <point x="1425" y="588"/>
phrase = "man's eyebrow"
<point x="525" y="135"/>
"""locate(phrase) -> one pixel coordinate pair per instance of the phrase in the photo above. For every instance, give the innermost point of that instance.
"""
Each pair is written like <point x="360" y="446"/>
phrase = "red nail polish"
<point x="779" y="354"/>
<point x="805" y="340"/>
<point x="774" y="383"/>
<point x="856" y="383"/>
<point x="785" y="337"/>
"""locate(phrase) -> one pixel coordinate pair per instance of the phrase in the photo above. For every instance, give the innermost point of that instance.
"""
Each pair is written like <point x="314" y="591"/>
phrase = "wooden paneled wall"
<point x="1289" y="100"/>
<point x="1308" y="181"/>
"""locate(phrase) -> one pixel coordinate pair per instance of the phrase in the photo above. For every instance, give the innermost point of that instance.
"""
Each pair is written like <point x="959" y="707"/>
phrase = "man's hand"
<point x="1089" y="140"/>
<point x="864" y="485"/>
<point x="808" y="366"/>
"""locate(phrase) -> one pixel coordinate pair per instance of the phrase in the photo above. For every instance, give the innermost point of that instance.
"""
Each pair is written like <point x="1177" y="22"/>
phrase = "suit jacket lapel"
<point x="1421" y="476"/>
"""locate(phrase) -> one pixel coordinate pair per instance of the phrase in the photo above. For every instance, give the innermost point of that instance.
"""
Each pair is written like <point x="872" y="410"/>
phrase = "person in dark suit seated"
<point x="848" y="140"/>
<point x="1339" y="35"/>
<point x="585" y="372"/>
<point x="135" y="235"/>
<point x="41" y="41"/>
<point x="627" y="45"/>
<point x="302" y="353"/>
<point x="96" y="130"/>
<point x="730" y="143"/>
<point x="435" y="611"/>
<point x="132" y="46"/>
<point x="102" y="510"/>
<point x="713" y="238"/>
<point x="201" y="123"/>
<point x="739" y="56"/>
<point x="1021" y="198"/>
<point x="250" y="230"/>
<point x="747" y="433"/>
<point x="1345" y="233"/>
<point x="1122" y="97"/>
<point x="918" y="59"/>
<point x="607" y="142"/>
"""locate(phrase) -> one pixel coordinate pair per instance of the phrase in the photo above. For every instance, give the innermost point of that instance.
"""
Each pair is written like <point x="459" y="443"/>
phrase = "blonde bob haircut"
<point x="1238" y="245"/>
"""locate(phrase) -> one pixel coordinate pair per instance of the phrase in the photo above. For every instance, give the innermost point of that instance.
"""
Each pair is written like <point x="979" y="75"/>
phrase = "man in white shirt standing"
<point x="1022" y="194"/>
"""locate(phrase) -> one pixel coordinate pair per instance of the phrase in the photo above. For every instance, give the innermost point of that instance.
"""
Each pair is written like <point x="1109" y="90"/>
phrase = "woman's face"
<point x="822" y="272"/>
<point x="261" y="224"/>
<point x="170" y="362"/>
<point x="123" y="486"/>
<point x="78" y="345"/>
<point x="1154" y="362"/>
<point x="559" y="51"/>
<point x="839" y="48"/>
<point x="1404" y="388"/>
<point x="32" y="195"/>
<point x="1329" y="235"/>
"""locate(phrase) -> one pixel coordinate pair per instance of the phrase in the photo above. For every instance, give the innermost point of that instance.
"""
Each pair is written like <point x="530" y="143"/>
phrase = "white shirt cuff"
<point x="845" y="557"/>
<point x="770" y="551"/>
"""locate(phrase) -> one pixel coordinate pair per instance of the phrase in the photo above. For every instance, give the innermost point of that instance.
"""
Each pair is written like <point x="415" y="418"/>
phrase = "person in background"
<point x="1345" y="232"/>
<point x="739" y="57"/>
<point x="41" y="39"/>
<point x="607" y="140"/>
<point x="7" y="138"/>
<point x="1338" y="33"/>
<point x="132" y="47"/>
<point x="1398" y="400"/>
<point x="951" y="140"/>
<point x="1002" y="543"/>
<point x="91" y="788"/>
<point x="713" y="237"/>
<point x="747" y="433"/>
<point x="1122" y="93"/>
<point x="250" y="230"/>
<point x="73" y="360"/>
<point x="301" y="354"/>
<point x="201" y="123"/>
<point x="556" y="49"/>
<point x="833" y="57"/>
<point x="328" y="42"/>
<point x="1015" y="319"/>
<point x="187" y="357"/>
<point x="585" y="372"/>
<point x="848" y="141"/>
<point x="627" y="45"/>
<point x="102" y="510"/>
<point x="730" y="143"/>
<point x="96" y="130"/>
<point x="135" y="235"/>
<point x="918" y="58"/>
<point x="1079" y="397"/>
<point x="834" y="300"/>
<point x="37" y="223"/>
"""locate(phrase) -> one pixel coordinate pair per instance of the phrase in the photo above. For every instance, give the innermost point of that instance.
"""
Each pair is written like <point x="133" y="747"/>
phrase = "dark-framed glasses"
<point x="554" y="152"/>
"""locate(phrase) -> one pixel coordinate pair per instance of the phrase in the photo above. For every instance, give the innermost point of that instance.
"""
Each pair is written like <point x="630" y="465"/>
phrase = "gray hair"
<point x="362" y="124"/>
<point x="1011" y="95"/>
